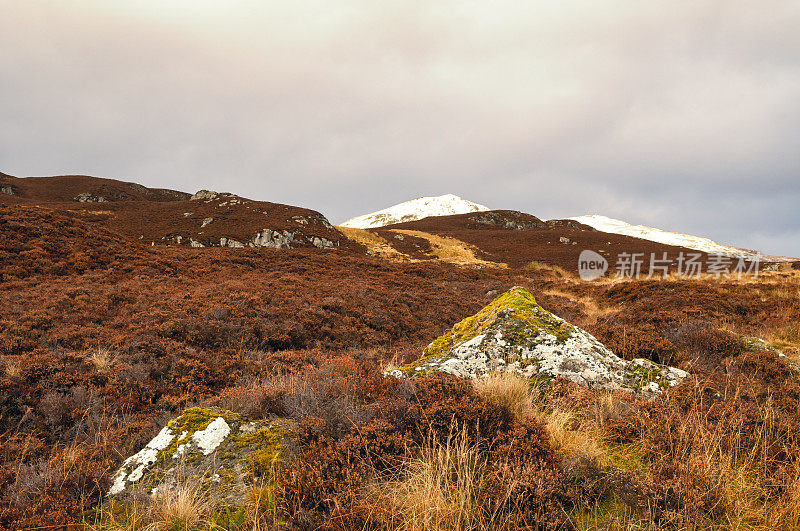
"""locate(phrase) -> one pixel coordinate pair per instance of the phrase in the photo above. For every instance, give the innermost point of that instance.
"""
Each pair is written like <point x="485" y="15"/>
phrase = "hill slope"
<point x="156" y="216"/>
<point x="518" y="240"/>
<point x="698" y="243"/>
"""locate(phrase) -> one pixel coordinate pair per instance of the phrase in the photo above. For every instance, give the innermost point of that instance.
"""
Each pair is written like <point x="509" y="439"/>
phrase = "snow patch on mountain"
<point x="615" y="226"/>
<point x="422" y="207"/>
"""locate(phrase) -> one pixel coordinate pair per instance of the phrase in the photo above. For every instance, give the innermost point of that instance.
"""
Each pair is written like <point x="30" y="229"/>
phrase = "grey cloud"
<point x="680" y="115"/>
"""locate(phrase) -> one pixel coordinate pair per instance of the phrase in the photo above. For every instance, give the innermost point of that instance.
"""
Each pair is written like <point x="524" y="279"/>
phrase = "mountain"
<point x="615" y="226"/>
<point x="422" y="207"/>
<point x="505" y="238"/>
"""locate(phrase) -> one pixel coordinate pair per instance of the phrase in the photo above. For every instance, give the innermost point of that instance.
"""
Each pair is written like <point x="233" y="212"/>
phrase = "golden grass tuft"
<point x="181" y="508"/>
<point x="786" y="336"/>
<point x="12" y="369"/>
<point x="550" y="271"/>
<point x="509" y="390"/>
<point x="569" y="433"/>
<point x="440" y="489"/>
<point x="591" y="308"/>
<point x="102" y="359"/>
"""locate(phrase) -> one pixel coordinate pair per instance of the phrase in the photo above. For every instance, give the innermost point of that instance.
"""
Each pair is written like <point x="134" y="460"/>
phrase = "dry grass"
<point x="440" y="489"/>
<point x="509" y="390"/>
<point x="451" y="250"/>
<point x="374" y="243"/>
<point x="591" y="308"/>
<point x="568" y="432"/>
<point x="578" y="441"/>
<point x="181" y="508"/>
<point x="12" y="368"/>
<point x="185" y="507"/>
<point x="550" y="271"/>
<point x="785" y="337"/>
<point x="102" y="359"/>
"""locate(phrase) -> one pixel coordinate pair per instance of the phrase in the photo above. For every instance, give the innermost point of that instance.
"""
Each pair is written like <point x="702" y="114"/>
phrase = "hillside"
<point x="706" y="245"/>
<point x="123" y="352"/>
<point x="82" y="189"/>
<point x="155" y="216"/>
<point x="102" y="341"/>
<point x="516" y="240"/>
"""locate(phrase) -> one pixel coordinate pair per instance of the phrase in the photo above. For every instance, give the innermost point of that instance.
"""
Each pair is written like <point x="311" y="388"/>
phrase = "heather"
<point x="104" y="340"/>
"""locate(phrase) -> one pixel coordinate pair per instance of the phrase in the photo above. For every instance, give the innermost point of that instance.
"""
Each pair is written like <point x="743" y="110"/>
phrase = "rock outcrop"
<point x="87" y="197"/>
<point x="215" y="448"/>
<point x="515" y="334"/>
<point x="509" y="219"/>
<point x="285" y="239"/>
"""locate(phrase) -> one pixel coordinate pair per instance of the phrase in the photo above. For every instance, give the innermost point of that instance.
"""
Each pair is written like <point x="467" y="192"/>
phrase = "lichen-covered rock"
<point x="515" y="334"/>
<point x="215" y="447"/>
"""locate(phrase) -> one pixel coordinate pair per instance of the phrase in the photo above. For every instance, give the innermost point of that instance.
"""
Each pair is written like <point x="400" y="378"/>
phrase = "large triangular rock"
<point x="214" y="448"/>
<point x="514" y="334"/>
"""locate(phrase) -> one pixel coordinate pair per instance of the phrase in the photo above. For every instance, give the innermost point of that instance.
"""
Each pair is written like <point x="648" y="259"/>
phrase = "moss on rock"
<point x="517" y="307"/>
<point x="515" y="334"/>
<point x="216" y="448"/>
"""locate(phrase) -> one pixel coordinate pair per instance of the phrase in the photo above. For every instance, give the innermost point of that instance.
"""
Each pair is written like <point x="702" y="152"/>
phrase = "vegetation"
<point x="103" y="341"/>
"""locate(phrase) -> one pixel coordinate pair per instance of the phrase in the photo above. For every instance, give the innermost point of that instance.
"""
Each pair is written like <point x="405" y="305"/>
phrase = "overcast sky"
<point x="684" y="115"/>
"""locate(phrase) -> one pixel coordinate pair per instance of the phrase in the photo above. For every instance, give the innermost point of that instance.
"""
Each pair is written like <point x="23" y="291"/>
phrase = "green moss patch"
<point x="265" y="448"/>
<point x="648" y="375"/>
<point x="518" y="314"/>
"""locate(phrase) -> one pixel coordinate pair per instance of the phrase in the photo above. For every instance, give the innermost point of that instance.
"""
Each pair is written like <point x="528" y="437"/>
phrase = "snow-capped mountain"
<point x="422" y="207"/>
<point x="615" y="226"/>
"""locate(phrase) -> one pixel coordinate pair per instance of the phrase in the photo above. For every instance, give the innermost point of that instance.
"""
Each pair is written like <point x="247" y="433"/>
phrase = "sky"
<point x="684" y="115"/>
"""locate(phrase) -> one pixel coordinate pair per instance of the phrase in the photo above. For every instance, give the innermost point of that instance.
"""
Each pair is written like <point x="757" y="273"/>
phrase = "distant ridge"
<point x="615" y="226"/>
<point x="422" y="207"/>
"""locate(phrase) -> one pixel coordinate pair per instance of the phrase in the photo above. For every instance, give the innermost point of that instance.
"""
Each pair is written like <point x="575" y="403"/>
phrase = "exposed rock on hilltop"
<point x="227" y="220"/>
<point x="214" y="448"/>
<point x="515" y="220"/>
<point x="509" y="219"/>
<point x="515" y="334"/>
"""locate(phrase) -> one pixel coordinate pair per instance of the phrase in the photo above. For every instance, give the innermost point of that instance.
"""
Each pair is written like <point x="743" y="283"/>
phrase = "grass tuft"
<point x="102" y="359"/>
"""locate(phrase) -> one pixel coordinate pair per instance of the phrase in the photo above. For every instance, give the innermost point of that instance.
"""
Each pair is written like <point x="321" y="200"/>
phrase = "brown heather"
<point x="104" y="340"/>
